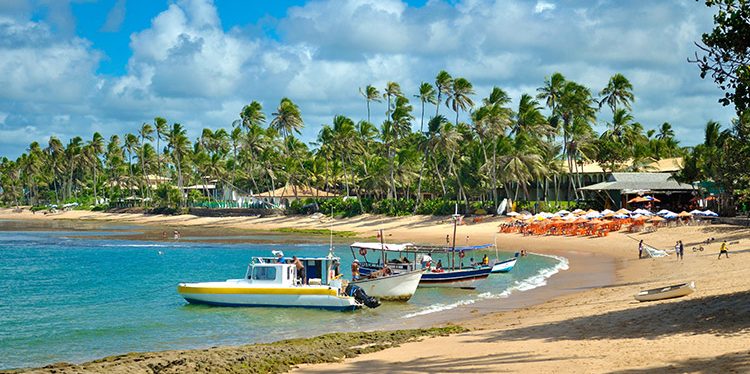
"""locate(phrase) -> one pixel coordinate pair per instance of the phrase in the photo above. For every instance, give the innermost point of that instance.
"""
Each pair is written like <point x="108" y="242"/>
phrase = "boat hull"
<point x="396" y="287"/>
<point x="504" y="266"/>
<point x="668" y="292"/>
<point x="463" y="278"/>
<point x="238" y="294"/>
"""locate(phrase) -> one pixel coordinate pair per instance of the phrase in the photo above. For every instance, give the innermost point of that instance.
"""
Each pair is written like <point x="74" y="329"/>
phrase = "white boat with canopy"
<point x="270" y="282"/>
<point x="410" y="257"/>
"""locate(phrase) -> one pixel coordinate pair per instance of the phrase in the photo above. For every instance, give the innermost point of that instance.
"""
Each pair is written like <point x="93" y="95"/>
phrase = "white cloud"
<point x="187" y="67"/>
<point x="543" y="6"/>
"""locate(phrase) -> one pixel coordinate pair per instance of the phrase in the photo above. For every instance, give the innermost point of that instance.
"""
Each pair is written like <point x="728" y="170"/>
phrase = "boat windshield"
<point x="264" y="273"/>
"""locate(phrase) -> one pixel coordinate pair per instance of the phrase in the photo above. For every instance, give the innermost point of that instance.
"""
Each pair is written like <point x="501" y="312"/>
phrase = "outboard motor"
<point x="359" y="294"/>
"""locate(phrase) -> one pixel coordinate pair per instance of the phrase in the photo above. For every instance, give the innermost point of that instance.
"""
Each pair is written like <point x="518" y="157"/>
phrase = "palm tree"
<point x="618" y="91"/>
<point x="160" y="125"/>
<point x="370" y="93"/>
<point x="179" y="145"/>
<point x="94" y="149"/>
<point x="55" y="152"/>
<point x="665" y="131"/>
<point x="443" y="83"/>
<point x="426" y="95"/>
<point x="552" y="91"/>
<point x="392" y="90"/>
<point x="286" y="120"/>
<point x="458" y="98"/>
<point x="73" y="157"/>
<point x="145" y="133"/>
<point x="131" y="145"/>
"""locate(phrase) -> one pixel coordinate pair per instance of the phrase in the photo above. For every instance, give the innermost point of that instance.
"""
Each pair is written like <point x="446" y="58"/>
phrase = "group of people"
<point x="301" y="276"/>
<point x="679" y="249"/>
<point x="175" y="234"/>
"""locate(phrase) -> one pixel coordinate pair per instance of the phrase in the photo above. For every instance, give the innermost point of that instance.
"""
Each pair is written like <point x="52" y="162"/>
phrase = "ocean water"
<point x="78" y="296"/>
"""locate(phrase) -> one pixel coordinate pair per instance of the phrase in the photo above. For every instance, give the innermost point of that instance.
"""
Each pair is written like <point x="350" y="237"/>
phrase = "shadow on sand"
<point x="724" y="315"/>
<point x="737" y="362"/>
<point x="444" y="365"/>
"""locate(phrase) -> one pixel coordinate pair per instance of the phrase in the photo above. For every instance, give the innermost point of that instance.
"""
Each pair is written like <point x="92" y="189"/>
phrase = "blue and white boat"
<point x="504" y="266"/>
<point x="408" y="257"/>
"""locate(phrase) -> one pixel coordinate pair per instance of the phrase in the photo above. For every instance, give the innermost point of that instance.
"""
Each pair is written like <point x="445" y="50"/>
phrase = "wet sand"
<point x="592" y="324"/>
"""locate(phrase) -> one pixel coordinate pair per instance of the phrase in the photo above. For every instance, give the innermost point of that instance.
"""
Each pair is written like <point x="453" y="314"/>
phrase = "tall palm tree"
<point x="459" y="98"/>
<point x="618" y="91"/>
<point x="55" y="152"/>
<point x="370" y="93"/>
<point x="426" y="94"/>
<point x="145" y="133"/>
<point x="665" y="131"/>
<point x="287" y="120"/>
<point x="392" y="90"/>
<point x="94" y="149"/>
<point x="161" y="128"/>
<point x="179" y="145"/>
<point x="73" y="154"/>
<point x="131" y="145"/>
<point x="443" y="84"/>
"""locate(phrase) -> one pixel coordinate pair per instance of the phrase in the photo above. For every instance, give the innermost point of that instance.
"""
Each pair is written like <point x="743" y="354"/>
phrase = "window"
<point x="265" y="273"/>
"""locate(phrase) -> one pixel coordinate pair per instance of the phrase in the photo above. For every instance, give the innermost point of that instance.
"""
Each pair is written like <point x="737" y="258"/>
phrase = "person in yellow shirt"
<point x="724" y="249"/>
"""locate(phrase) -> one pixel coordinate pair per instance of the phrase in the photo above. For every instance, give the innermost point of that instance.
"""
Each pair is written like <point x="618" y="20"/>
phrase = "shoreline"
<point x="565" y="294"/>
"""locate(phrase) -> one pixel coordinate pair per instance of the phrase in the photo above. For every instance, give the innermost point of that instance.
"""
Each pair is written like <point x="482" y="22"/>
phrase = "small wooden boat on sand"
<point x="504" y="266"/>
<point x="669" y="292"/>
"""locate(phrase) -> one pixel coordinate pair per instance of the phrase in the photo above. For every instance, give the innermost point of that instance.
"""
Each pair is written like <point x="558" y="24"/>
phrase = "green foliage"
<point x="436" y="207"/>
<point x="167" y="196"/>
<point x="393" y="207"/>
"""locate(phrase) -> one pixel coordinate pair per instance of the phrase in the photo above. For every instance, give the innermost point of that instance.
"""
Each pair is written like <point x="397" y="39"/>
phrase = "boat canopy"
<point x="409" y="247"/>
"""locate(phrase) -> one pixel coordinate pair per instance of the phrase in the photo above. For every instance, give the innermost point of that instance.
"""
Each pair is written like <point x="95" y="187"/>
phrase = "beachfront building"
<point x="567" y="183"/>
<point x="283" y="196"/>
<point x="620" y="190"/>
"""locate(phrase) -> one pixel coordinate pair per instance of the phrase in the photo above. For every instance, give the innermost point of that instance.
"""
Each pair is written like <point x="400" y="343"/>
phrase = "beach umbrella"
<point x="623" y="211"/>
<point x="709" y="213"/>
<point x="580" y="220"/>
<point x="546" y="214"/>
<point x="610" y="214"/>
<point x="684" y="214"/>
<point x="593" y="214"/>
<point x="569" y="217"/>
<point x="642" y="212"/>
<point x="578" y="211"/>
<point x="670" y="215"/>
<point x="639" y="217"/>
<point x="607" y="211"/>
<point x="664" y="212"/>
<point x="562" y="212"/>
<point x="556" y="218"/>
<point x="637" y="199"/>
<point x="621" y="216"/>
<point x="595" y="221"/>
<point x="512" y="214"/>
<point x="656" y="219"/>
<point x="696" y="212"/>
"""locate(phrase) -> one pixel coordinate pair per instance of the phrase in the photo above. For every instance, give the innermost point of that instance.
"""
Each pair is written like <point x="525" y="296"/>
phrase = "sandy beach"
<point x="591" y="324"/>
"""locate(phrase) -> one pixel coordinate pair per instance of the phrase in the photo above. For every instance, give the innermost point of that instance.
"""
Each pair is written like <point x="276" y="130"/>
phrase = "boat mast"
<point x="455" y="223"/>
<point x="382" y="247"/>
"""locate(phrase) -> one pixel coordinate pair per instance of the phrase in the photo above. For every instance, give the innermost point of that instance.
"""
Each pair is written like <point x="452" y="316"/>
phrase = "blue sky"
<point x="73" y="67"/>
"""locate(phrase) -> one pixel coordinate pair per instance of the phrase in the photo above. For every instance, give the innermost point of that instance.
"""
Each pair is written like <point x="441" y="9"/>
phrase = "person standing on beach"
<point x="724" y="249"/>
<point x="640" y="249"/>
<point x="448" y="239"/>
<point x="682" y="250"/>
<point x="677" y="249"/>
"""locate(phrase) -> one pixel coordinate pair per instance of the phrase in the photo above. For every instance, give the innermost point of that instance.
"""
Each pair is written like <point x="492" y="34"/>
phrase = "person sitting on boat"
<point x="471" y="262"/>
<point x="405" y="260"/>
<point x="355" y="269"/>
<point x="279" y="256"/>
<point x="439" y="265"/>
<point x="300" y="270"/>
<point x="485" y="260"/>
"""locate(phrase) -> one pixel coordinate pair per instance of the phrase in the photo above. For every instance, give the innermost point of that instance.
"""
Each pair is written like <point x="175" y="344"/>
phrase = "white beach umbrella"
<point x="607" y="211"/>
<point x="670" y="215"/>
<point x="562" y="212"/>
<point x="696" y="212"/>
<point x="643" y="212"/>
<point x="665" y="212"/>
<point x="593" y="215"/>
<point x="546" y="214"/>
<point x="621" y="216"/>
<point x="709" y="213"/>
<point x="578" y="211"/>
<point x="512" y="214"/>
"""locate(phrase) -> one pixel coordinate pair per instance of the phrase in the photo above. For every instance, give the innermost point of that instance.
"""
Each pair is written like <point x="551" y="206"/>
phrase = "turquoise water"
<point x="66" y="299"/>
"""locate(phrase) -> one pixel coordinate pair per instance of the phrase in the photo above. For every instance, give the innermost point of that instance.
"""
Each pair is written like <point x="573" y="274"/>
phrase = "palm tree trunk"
<point x="421" y="125"/>
<point x="440" y="176"/>
<point x="419" y="181"/>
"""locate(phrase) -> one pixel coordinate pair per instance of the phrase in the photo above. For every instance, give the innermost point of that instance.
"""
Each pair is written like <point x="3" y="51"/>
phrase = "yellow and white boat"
<point x="272" y="282"/>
